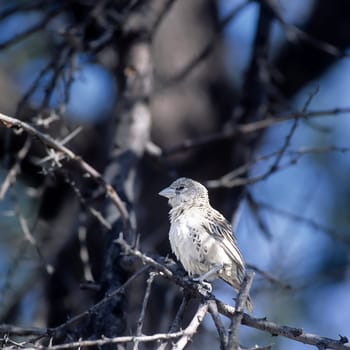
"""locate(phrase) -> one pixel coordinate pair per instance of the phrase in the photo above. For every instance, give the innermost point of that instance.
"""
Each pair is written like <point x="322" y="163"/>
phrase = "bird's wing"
<point x="217" y="225"/>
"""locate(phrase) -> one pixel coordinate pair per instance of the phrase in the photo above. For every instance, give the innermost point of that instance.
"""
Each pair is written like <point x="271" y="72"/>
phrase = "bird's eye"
<point x="180" y="188"/>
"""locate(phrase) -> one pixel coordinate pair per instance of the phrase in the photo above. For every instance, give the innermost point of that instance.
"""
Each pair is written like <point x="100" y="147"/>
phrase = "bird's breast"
<point x="186" y="247"/>
<point x="197" y="249"/>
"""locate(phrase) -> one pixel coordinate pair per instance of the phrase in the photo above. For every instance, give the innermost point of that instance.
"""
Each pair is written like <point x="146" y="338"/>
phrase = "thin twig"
<point x="176" y="325"/>
<point x="213" y="310"/>
<point x="141" y="319"/>
<point x="49" y="332"/>
<point x="232" y="178"/>
<point x="233" y="343"/>
<point x="292" y="131"/>
<point x="15" y="169"/>
<point x="205" y="51"/>
<point x="143" y="257"/>
<point x="94" y="212"/>
<point x="294" y="33"/>
<point x="255" y="210"/>
<point x="272" y="279"/>
<point x="83" y="248"/>
<point x="247" y="128"/>
<point x="307" y="221"/>
<point x="96" y="306"/>
<point x="191" y="329"/>
<point x="32" y="240"/>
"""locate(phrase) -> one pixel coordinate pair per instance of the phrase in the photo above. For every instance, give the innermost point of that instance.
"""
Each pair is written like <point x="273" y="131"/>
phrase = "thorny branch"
<point x="185" y="335"/>
<point x="296" y="334"/>
<point x="62" y="150"/>
<point x="210" y="304"/>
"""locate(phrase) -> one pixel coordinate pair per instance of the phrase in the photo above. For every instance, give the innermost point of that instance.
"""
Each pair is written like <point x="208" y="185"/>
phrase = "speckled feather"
<point x="200" y="236"/>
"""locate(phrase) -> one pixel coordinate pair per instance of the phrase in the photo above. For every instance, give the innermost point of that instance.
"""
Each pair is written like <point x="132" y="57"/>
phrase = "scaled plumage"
<point x="200" y="237"/>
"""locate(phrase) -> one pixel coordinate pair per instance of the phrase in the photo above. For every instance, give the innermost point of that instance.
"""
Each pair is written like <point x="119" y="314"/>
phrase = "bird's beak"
<point x="167" y="192"/>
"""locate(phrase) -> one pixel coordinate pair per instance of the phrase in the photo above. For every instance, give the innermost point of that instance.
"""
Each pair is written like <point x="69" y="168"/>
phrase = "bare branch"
<point x="144" y="306"/>
<point x="116" y="340"/>
<point x="94" y="212"/>
<point x="294" y="33"/>
<point x="176" y="325"/>
<point x="255" y="211"/>
<point x="293" y="333"/>
<point x="192" y="327"/>
<point x="15" y="169"/>
<point x="272" y="279"/>
<point x="96" y="306"/>
<point x="48" y="141"/>
<point x="184" y="335"/>
<point x="247" y="128"/>
<point x="307" y="221"/>
<point x="32" y="240"/>
<point x="205" y="52"/>
<point x="236" y="320"/>
<point x="213" y="310"/>
<point x="83" y="251"/>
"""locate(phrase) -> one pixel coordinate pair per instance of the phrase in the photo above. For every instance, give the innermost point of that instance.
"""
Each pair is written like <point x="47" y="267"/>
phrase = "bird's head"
<point x="185" y="191"/>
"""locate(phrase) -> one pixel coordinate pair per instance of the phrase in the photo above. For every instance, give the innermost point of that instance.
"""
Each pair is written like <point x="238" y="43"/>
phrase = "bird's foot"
<point x="204" y="286"/>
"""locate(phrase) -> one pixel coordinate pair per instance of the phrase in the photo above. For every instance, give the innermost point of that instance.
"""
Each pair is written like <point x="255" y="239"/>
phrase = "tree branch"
<point x="247" y="128"/>
<point x="275" y="329"/>
<point x="192" y="327"/>
<point x="233" y="342"/>
<point x="18" y="125"/>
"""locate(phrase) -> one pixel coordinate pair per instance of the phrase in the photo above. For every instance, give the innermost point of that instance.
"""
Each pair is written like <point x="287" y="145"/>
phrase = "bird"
<point x="200" y="236"/>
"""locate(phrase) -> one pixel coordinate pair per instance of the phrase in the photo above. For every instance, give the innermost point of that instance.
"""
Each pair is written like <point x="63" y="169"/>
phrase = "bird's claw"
<point x="204" y="287"/>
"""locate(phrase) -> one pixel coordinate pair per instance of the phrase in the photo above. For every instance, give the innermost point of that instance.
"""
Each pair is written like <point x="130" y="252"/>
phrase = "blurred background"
<point x="215" y="67"/>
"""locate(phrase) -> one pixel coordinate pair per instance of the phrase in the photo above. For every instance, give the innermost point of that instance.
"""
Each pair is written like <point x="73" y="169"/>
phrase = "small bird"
<point x="201" y="238"/>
